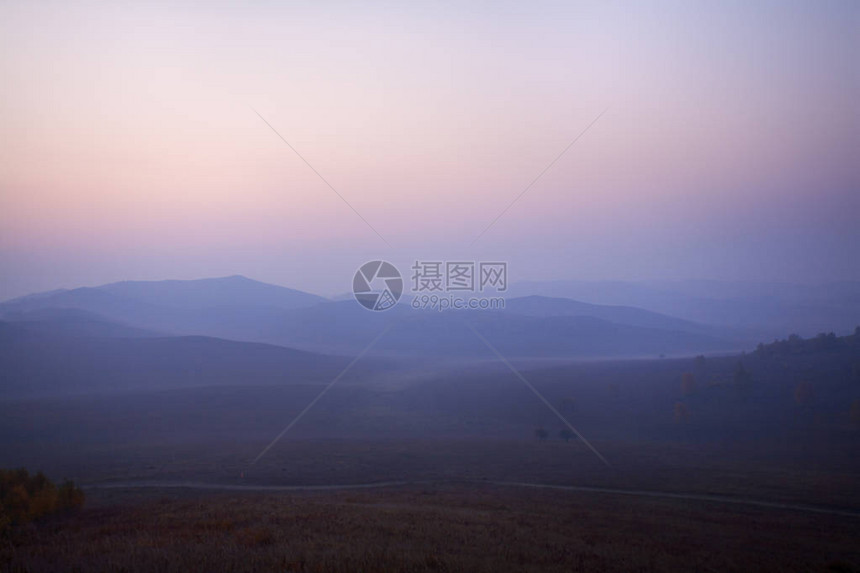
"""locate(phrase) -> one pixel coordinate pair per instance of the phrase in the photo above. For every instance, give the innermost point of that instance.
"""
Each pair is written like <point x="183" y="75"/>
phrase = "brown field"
<point x="452" y="516"/>
<point x="428" y="528"/>
<point x="750" y="482"/>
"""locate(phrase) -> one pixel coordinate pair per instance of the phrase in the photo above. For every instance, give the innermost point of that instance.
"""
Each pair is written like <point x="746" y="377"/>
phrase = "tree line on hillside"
<point x="823" y="342"/>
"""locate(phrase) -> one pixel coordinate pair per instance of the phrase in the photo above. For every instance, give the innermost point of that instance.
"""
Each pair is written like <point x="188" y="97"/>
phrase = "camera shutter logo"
<point x="377" y="285"/>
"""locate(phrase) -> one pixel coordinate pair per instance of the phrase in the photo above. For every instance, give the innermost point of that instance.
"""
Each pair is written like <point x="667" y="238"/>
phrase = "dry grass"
<point x="447" y="528"/>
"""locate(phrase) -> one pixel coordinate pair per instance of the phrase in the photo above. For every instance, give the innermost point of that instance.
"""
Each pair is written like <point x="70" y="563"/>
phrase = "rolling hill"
<point x="763" y="310"/>
<point x="230" y="307"/>
<point x="345" y="327"/>
<point x="37" y="362"/>
<point x="237" y="308"/>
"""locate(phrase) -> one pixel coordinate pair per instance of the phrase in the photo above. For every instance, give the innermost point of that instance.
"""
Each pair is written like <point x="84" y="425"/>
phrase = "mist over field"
<point x="566" y="286"/>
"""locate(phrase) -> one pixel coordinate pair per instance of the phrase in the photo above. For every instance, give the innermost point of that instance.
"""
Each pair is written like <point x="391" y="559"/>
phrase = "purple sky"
<point x="131" y="149"/>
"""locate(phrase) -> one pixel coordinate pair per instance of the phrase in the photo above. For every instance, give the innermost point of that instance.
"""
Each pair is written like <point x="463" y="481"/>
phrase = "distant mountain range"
<point x="230" y="307"/>
<point x="235" y="330"/>
<point x="535" y="305"/>
<point x="238" y="308"/>
<point x="763" y="310"/>
<point x="345" y="327"/>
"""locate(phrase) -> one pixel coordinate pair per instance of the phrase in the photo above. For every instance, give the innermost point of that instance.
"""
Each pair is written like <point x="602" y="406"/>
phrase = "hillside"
<point x="231" y="307"/>
<point x="762" y="309"/>
<point x="33" y="362"/>
<point x="237" y="308"/>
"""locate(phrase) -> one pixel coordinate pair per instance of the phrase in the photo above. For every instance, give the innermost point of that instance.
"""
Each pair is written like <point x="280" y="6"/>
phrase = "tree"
<point x="682" y="413"/>
<point x="804" y="395"/>
<point x="69" y="496"/>
<point x="688" y="383"/>
<point x="541" y="434"/>
<point x="24" y="498"/>
<point x="742" y="378"/>
<point x="565" y="434"/>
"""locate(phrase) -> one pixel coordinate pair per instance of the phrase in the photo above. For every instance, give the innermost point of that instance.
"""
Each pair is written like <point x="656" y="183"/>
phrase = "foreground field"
<point x="728" y="469"/>
<point x="715" y="509"/>
<point x="429" y="528"/>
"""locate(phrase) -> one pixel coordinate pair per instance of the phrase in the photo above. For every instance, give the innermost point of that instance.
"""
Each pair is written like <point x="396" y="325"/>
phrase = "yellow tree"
<point x="682" y="413"/>
<point x="688" y="383"/>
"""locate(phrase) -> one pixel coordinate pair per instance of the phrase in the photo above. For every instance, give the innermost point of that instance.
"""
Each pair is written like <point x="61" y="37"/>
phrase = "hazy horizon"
<point x="133" y="150"/>
<point x="345" y="291"/>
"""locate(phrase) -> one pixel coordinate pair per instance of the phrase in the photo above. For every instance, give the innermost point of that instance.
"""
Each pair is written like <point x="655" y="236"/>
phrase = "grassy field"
<point x="451" y="440"/>
<point x="439" y="528"/>
<point x="452" y="516"/>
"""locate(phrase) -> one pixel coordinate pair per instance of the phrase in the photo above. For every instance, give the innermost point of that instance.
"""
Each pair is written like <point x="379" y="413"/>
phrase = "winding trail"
<point x="690" y="497"/>
<point x="239" y="487"/>
<point x="384" y="484"/>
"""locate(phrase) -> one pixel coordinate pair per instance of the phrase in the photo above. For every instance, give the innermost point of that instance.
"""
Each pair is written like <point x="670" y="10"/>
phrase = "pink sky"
<point x="131" y="149"/>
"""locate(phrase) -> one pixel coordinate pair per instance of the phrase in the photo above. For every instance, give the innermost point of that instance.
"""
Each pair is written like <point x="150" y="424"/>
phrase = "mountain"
<point x="33" y="362"/>
<point x="233" y="291"/>
<point x="536" y="305"/>
<point x="229" y="307"/>
<point x="345" y="327"/>
<point x="763" y="310"/>
<point x="74" y="322"/>
<point x="237" y="308"/>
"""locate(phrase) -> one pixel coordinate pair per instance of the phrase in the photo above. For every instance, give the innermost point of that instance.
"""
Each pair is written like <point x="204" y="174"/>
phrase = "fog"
<point x="335" y="287"/>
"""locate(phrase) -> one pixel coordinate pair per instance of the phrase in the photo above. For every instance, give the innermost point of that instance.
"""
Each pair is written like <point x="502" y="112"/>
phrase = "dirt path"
<point x="383" y="484"/>
<point x="239" y="487"/>
<point x="689" y="497"/>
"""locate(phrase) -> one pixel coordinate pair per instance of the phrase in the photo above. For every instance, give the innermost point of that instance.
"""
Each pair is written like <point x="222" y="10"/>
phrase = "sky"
<point x="135" y="144"/>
